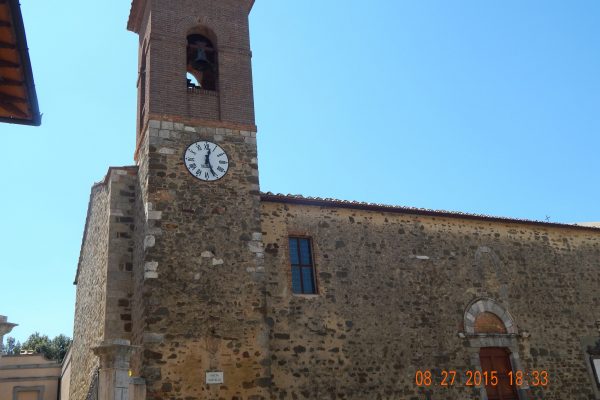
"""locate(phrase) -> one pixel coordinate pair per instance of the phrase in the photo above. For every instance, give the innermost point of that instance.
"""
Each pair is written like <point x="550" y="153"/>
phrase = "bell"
<point x="201" y="63"/>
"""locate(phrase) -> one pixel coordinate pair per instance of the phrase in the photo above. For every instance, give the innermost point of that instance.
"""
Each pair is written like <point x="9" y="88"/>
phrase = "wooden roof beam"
<point x="10" y="82"/>
<point x="8" y="64"/>
<point x="6" y="45"/>
<point x="10" y="107"/>
<point x="12" y="99"/>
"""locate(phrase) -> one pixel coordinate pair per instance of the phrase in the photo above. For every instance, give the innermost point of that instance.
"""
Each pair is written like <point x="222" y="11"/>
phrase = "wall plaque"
<point x="214" y="378"/>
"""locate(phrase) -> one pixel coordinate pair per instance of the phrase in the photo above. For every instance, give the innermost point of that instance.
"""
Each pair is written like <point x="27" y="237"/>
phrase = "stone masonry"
<point x="393" y="291"/>
<point x="90" y="300"/>
<point x="199" y="259"/>
<point x="102" y="308"/>
<point x="178" y="277"/>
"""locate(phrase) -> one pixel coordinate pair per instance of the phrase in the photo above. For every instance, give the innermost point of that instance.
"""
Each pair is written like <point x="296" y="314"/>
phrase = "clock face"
<point x="206" y="161"/>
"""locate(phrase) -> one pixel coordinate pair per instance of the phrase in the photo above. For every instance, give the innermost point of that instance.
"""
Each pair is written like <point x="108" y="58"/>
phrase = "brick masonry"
<point x="162" y="35"/>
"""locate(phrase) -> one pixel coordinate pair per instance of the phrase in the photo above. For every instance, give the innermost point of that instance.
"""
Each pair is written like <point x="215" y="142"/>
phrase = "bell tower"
<point x="203" y="40"/>
<point x="198" y="302"/>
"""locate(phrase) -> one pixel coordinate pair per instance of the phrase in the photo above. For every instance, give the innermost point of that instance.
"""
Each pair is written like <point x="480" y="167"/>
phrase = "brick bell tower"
<point x="198" y="293"/>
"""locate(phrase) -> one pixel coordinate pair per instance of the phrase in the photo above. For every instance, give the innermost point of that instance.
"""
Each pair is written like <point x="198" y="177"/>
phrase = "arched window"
<point x="201" y="62"/>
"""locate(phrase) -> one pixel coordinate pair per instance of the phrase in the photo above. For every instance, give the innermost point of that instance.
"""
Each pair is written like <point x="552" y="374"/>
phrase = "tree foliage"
<point x="53" y="349"/>
<point x="12" y="346"/>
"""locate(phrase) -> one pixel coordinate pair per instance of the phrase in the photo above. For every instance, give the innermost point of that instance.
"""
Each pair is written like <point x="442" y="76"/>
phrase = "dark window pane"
<point x="305" y="252"/>
<point x="294" y="251"/>
<point x="296" y="278"/>
<point x="307" y="280"/>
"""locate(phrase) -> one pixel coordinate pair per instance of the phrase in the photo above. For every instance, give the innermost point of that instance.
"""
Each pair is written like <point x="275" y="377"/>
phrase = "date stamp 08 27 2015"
<point x="449" y="378"/>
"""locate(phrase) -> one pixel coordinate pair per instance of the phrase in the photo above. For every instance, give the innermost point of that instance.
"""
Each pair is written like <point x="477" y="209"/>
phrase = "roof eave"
<point x="23" y="49"/>
<point x="335" y="203"/>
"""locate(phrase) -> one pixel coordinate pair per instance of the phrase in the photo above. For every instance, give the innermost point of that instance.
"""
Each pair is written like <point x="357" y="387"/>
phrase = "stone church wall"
<point x="102" y="309"/>
<point x="393" y="290"/>
<point x="91" y="293"/>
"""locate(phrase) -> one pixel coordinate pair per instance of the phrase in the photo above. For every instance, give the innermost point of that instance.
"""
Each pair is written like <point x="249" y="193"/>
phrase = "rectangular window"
<point x="303" y="272"/>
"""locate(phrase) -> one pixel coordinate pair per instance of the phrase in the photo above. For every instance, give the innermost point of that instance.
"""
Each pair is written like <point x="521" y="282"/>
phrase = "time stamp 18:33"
<point x="449" y="378"/>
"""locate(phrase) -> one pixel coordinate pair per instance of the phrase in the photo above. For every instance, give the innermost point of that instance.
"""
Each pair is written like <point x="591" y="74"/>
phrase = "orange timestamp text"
<point x="448" y="378"/>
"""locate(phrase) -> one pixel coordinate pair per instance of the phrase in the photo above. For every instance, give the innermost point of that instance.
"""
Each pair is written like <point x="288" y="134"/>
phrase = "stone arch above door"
<point x="480" y="307"/>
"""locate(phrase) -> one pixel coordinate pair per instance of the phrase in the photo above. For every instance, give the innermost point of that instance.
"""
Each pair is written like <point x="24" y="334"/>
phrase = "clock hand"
<point x="207" y="158"/>
<point x="207" y="162"/>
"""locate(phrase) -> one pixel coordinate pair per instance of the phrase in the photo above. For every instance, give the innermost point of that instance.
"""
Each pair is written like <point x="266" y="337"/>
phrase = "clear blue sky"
<point x="477" y="106"/>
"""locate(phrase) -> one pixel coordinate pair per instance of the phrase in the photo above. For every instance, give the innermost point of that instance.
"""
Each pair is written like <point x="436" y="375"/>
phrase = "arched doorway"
<point x="492" y="339"/>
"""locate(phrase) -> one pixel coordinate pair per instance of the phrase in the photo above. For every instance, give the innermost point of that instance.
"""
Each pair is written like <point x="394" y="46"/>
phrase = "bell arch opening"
<point x="202" y="62"/>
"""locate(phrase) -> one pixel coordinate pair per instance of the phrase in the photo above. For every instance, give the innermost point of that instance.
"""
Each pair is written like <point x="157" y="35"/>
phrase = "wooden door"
<point x="497" y="359"/>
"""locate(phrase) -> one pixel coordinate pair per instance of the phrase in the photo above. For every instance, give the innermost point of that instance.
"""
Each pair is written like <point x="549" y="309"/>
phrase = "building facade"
<point x="193" y="284"/>
<point x="27" y="376"/>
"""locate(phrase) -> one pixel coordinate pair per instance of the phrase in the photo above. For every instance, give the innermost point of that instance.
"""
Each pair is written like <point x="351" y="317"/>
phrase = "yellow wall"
<point x="28" y="375"/>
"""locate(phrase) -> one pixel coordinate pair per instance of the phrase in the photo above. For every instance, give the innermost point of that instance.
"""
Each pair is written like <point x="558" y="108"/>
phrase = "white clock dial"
<point x="206" y="161"/>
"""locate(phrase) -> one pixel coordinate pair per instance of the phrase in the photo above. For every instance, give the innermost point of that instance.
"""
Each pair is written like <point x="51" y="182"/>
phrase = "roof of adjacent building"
<point x="590" y="224"/>
<point x="25" y="361"/>
<point x="18" y="99"/>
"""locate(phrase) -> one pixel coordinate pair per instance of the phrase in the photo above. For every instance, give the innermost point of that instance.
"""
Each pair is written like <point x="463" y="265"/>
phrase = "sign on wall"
<point x="214" y="377"/>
